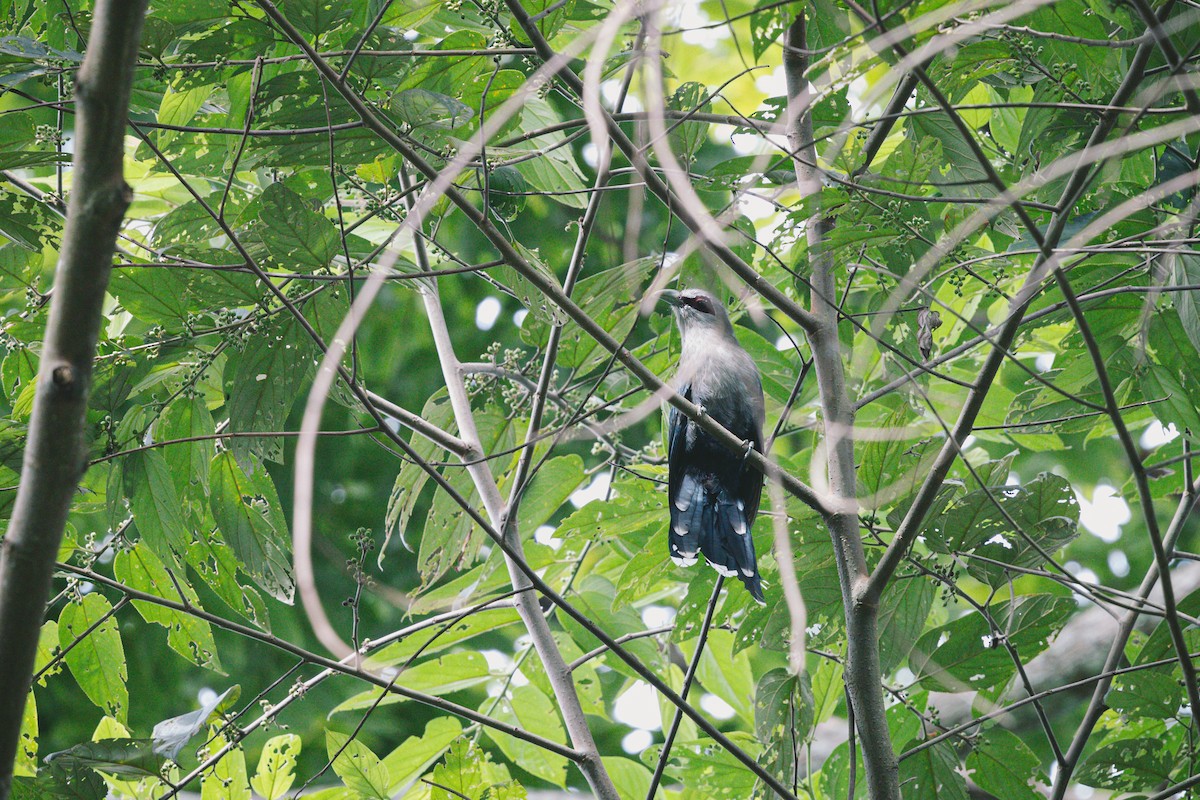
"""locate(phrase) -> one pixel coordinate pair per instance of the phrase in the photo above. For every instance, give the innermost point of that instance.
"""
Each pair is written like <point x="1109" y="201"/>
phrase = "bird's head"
<point x="696" y="310"/>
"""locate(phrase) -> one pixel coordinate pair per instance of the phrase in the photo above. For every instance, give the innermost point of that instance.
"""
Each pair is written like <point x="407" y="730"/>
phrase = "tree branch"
<point x="862" y="673"/>
<point x="55" y="452"/>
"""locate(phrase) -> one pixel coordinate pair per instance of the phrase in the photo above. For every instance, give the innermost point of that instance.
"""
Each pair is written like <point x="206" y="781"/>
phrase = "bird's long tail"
<point x="706" y="519"/>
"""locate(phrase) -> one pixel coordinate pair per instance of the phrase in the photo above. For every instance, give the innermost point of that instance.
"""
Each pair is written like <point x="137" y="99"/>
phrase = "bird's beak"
<point x="670" y="297"/>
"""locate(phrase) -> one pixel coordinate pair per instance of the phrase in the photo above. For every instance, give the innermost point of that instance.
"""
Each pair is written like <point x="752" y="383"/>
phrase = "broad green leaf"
<point x="526" y="292"/>
<point x="441" y="637"/>
<point x="969" y="653"/>
<point x="412" y="478"/>
<point x="452" y="672"/>
<point x="727" y="676"/>
<point x="27" y="745"/>
<point x="767" y="24"/>
<point x="631" y="778"/>
<point x="96" y="658"/>
<point x="155" y="504"/>
<point x="554" y="482"/>
<point x="460" y="774"/>
<point x="191" y="637"/>
<point x="262" y="383"/>
<point x="902" y="614"/>
<point x="408" y="762"/>
<point x="933" y="774"/>
<point x="187" y="418"/>
<point x="242" y="511"/>
<point x="47" y="648"/>
<point x="783" y="720"/>
<point x="981" y="522"/>
<point x="828" y="689"/>
<point x="1139" y="764"/>
<point x="296" y="237"/>
<point x="531" y="710"/>
<point x="558" y="172"/>
<point x="131" y="758"/>
<point x="217" y="565"/>
<point x="228" y="779"/>
<point x="276" y="766"/>
<point x="1004" y="765"/>
<point x="316" y="17"/>
<point x="707" y="768"/>
<point x="451" y="539"/>
<point x="686" y="138"/>
<point x="355" y="764"/>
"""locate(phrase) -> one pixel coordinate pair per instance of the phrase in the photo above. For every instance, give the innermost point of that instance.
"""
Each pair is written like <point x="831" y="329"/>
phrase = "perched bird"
<point x="714" y="494"/>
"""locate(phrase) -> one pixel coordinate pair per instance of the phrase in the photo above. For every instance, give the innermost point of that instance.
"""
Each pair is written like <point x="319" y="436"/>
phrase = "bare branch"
<point x="55" y="453"/>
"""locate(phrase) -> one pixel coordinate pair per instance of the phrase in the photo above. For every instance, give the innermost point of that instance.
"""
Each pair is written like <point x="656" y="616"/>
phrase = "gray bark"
<point x="55" y="452"/>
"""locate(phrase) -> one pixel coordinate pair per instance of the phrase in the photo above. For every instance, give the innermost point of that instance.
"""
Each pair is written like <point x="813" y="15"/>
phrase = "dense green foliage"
<point x="263" y="199"/>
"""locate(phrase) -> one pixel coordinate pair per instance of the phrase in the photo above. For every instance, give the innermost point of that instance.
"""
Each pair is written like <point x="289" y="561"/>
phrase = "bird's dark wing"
<point x="751" y="481"/>
<point x="685" y="493"/>
<point x="676" y="444"/>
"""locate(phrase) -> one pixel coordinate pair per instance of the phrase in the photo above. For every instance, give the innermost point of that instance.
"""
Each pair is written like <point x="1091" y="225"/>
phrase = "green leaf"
<point x="461" y="774"/>
<point x="217" y="565"/>
<point x="97" y="659"/>
<point x="525" y="291"/>
<point x="47" y="647"/>
<point x="27" y="745"/>
<point x="449" y="673"/>
<point x="435" y="639"/>
<point x="187" y="418"/>
<point x="933" y="774"/>
<point x="296" y="237"/>
<point x="139" y="568"/>
<point x="315" y="17"/>
<point x="783" y="720"/>
<point x="451" y="539"/>
<point x="506" y="192"/>
<point x="228" y="779"/>
<point x="133" y="758"/>
<point x="1002" y="764"/>
<point x="531" y="710"/>
<point x="1044" y="509"/>
<point x="1139" y="764"/>
<point x="1186" y="272"/>
<point x="827" y="688"/>
<point x="965" y="177"/>
<point x="557" y="171"/>
<point x="276" y="766"/>
<point x="968" y="653"/>
<point x="555" y="481"/>
<point x="408" y="762"/>
<point x="421" y="108"/>
<point x="768" y="21"/>
<point x="355" y="764"/>
<point x="242" y="510"/>
<point x="179" y="107"/>
<point x="902" y="614"/>
<point x="412" y="478"/>
<point x="708" y="769"/>
<point x="727" y="676"/>
<point x="155" y="505"/>
<point x="1176" y="404"/>
<point x="262" y="383"/>
<point x="631" y="778"/>
<point x="687" y="138"/>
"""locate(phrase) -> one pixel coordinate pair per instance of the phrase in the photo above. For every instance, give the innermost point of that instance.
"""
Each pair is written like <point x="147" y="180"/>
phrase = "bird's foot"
<point x="748" y="445"/>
